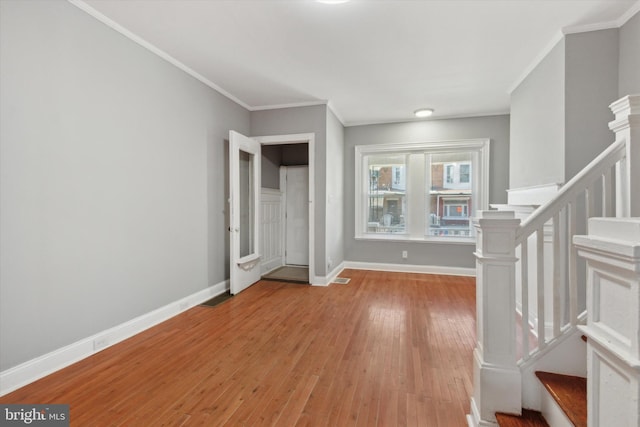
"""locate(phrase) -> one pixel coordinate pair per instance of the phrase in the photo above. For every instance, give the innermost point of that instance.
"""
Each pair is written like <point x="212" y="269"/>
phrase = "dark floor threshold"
<point x="275" y="279"/>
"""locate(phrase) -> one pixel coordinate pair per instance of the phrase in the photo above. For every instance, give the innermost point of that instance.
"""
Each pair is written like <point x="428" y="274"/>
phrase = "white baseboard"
<point x="268" y="266"/>
<point x="408" y="268"/>
<point x="318" y="281"/>
<point x="34" y="369"/>
<point x="326" y="280"/>
<point x="335" y="272"/>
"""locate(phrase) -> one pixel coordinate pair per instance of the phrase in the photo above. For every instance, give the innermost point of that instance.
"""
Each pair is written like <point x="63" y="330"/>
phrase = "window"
<point x="465" y="173"/>
<point x="386" y="201"/>
<point x="449" y="174"/>
<point x="422" y="191"/>
<point x="456" y="210"/>
<point x="458" y="173"/>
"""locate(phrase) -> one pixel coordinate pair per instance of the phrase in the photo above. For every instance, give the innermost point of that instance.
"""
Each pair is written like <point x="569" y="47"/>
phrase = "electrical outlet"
<point x="405" y="254"/>
<point x="100" y="343"/>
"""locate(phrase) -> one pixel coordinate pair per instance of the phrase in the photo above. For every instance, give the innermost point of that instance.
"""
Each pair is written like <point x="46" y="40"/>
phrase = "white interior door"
<point x="297" y="215"/>
<point x="244" y="204"/>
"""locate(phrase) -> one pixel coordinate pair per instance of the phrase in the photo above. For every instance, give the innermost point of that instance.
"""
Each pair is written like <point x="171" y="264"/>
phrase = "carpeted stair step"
<point x="570" y="393"/>
<point x="527" y="419"/>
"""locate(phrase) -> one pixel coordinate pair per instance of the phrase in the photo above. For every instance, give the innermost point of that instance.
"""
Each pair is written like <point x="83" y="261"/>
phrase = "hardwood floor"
<point x="387" y="349"/>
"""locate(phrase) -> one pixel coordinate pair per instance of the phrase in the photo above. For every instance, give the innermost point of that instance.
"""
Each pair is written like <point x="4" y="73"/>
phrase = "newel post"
<point x="627" y="126"/>
<point x="497" y="382"/>
<point x="612" y="252"/>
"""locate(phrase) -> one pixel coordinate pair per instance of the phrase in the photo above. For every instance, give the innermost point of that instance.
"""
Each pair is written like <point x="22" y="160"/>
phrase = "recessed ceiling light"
<point x="332" y="1"/>
<point x="423" y="112"/>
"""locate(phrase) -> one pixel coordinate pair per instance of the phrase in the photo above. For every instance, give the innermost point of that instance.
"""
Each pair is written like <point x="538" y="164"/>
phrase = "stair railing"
<point x="563" y="217"/>
<point x="536" y="259"/>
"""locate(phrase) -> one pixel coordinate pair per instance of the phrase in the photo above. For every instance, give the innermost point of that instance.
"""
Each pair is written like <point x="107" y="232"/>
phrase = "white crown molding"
<point x="290" y="105"/>
<point x="577" y="29"/>
<point x="80" y="4"/>
<point x="536" y="61"/>
<point x="333" y="109"/>
<point x="34" y="369"/>
<point x="635" y="8"/>
<point x="162" y="54"/>
<point x="430" y="119"/>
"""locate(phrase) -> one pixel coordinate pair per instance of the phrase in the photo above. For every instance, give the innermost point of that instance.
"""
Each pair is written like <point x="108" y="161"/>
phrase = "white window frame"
<point x="417" y="188"/>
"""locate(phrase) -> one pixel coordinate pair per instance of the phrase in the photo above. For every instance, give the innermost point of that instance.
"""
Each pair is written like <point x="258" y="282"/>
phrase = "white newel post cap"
<point x="625" y="106"/>
<point x="496" y="232"/>
<point x="495" y="214"/>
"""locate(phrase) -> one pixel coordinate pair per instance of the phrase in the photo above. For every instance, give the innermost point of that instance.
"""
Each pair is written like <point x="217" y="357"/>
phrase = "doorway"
<point x="294" y="188"/>
<point x="295" y="164"/>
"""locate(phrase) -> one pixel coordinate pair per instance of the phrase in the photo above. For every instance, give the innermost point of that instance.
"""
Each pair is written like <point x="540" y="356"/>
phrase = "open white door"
<point x="244" y="203"/>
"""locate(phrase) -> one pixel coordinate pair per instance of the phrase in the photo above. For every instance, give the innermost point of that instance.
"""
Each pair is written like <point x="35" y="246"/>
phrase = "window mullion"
<point x="415" y="199"/>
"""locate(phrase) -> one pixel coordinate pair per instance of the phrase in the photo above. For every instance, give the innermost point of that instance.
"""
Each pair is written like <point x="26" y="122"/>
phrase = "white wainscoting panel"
<point x="272" y="222"/>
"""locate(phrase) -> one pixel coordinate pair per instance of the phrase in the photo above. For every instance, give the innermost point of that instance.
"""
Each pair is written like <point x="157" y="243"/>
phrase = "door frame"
<point x="301" y="138"/>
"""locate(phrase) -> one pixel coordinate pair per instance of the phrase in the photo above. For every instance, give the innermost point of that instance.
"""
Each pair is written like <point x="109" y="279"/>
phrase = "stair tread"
<point x="528" y="418"/>
<point x="570" y="392"/>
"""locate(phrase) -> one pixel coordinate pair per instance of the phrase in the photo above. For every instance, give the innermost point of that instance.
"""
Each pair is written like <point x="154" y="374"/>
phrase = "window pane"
<point x="247" y="210"/>
<point x="386" y="193"/>
<point x="450" y="196"/>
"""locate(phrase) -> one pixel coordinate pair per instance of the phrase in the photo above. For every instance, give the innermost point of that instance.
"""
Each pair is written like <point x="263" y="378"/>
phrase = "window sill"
<point x="407" y="238"/>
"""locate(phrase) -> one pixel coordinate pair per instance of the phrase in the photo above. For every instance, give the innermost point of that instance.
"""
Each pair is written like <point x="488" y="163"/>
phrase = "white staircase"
<point x="536" y="296"/>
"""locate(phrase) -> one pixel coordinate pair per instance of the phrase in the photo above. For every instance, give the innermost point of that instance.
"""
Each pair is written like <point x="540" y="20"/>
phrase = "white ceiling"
<point x="372" y="60"/>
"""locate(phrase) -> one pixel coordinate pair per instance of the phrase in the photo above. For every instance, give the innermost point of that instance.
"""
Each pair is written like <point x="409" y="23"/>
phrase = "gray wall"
<point x="422" y="253"/>
<point x="113" y="190"/>
<point x="335" y="192"/>
<point x="560" y="112"/>
<point x="274" y="156"/>
<point x="591" y="84"/>
<point x="537" y="124"/>
<point x="311" y="119"/>
<point x="629" y="72"/>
